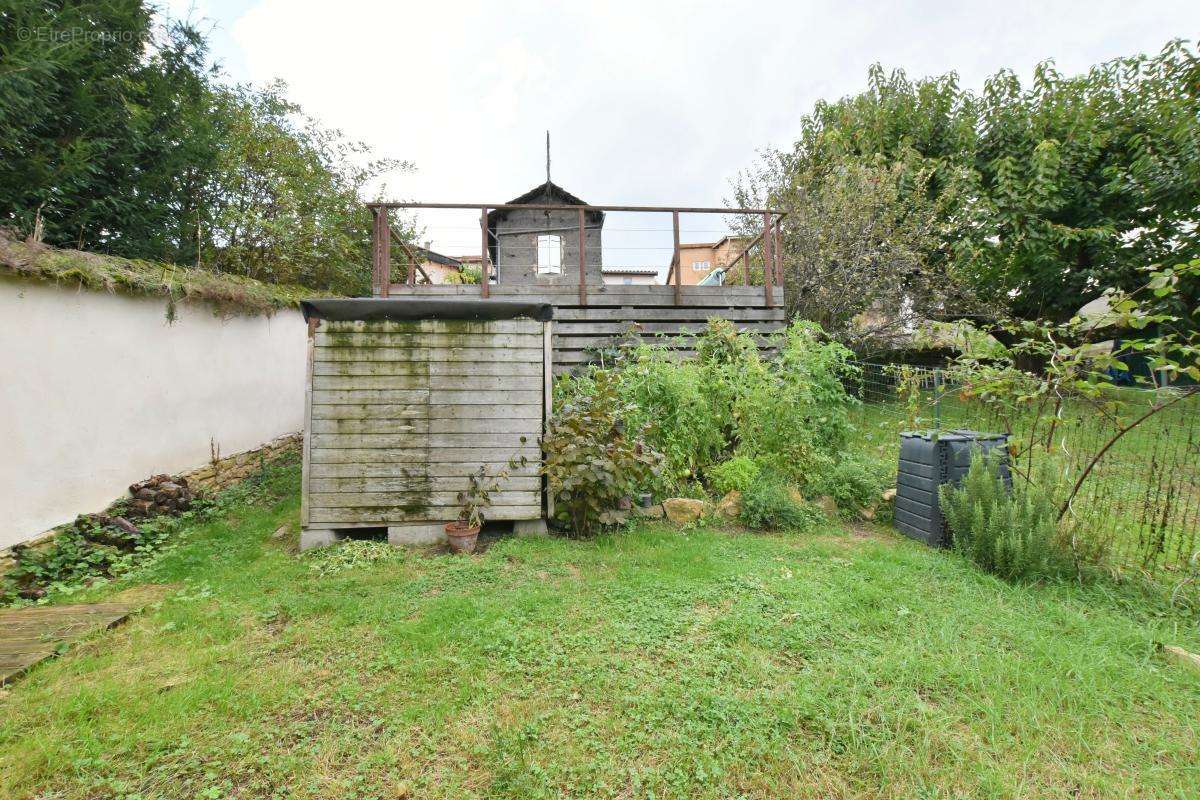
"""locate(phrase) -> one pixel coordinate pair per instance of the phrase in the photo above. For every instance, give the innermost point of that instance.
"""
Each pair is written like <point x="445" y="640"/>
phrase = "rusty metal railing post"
<point x="677" y="260"/>
<point x="376" y="283"/>
<point x="484" y="278"/>
<point x="778" y="248"/>
<point x="582" y="259"/>
<point x="768" y="265"/>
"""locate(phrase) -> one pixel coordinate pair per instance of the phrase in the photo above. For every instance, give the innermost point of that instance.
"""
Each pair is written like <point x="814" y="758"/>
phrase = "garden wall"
<point x="99" y="390"/>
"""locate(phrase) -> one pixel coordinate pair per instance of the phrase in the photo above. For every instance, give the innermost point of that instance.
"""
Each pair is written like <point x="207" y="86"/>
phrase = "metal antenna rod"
<point x="547" y="156"/>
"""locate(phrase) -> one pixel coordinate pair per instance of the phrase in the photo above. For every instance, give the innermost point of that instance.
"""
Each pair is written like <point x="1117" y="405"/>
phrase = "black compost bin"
<point x="929" y="459"/>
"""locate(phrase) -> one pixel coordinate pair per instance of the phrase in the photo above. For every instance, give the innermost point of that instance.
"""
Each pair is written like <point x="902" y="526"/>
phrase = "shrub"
<point x="593" y="459"/>
<point x="1013" y="536"/>
<point x="796" y="410"/>
<point x="734" y="475"/>
<point x="854" y="482"/>
<point x="768" y="504"/>
<point x="670" y="399"/>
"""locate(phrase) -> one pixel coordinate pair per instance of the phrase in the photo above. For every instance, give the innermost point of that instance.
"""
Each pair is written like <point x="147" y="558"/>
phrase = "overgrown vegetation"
<point x="595" y="458"/>
<point x="226" y="293"/>
<point x="638" y="664"/>
<point x="90" y="552"/>
<point x="769" y="504"/>
<point x="1012" y="534"/>
<point x="728" y="419"/>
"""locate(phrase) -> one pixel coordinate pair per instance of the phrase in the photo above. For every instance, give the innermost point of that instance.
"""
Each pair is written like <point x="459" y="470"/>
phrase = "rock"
<point x="888" y="495"/>
<point x="827" y="505"/>
<point x="683" y="510"/>
<point x="867" y="513"/>
<point x="730" y="505"/>
<point x="1182" y="657"/>
<point x="126" y="526"/>
<point x="280" y="532"/>
<point x="649" y="512"/>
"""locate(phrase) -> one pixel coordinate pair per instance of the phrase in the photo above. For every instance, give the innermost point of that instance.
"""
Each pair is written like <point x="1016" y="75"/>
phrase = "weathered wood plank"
<point x="419" y="484"/>
<point x="440" y="369"/>
<point x="427" y="341"/>
<point x="434" y="397"/>
<point x="330" y="517"/>
<point x="345" y="441"/>
<point x="531" y="426"/>
<point x="435" y="326"/>
<point x="407" y="411"/>
<point x="469" y="354"/>
<point x="383" y="455"/>
<point x="424" y="498"/>
<point x="458" y="382"/>
<point x="330" y="397"/>
<point x="371" y="425"/>
<point x="566" y="315"/>
<point x="421" y="470"/>
<point x="686" y="343"/>
<point x="571" y="329"/>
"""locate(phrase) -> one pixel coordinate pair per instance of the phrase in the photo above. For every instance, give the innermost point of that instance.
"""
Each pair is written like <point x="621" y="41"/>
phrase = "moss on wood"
<point x="174" y="283"/>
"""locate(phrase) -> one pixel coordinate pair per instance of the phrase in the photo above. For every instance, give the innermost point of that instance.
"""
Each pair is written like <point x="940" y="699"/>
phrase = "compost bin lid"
<point x="409" y="308"/>
<point x="956" y="435"/>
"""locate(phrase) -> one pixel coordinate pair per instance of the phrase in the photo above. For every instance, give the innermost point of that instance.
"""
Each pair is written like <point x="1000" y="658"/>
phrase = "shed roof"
<point x="410" y="308"/>
<point x="549" y="193"/>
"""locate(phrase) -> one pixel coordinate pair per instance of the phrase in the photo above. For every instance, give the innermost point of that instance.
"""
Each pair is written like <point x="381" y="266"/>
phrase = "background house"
<point x="699" y="259"/>
<point x="541" y="248"/>
<point x="630" y="276"/>
<point x="437" y="267"/>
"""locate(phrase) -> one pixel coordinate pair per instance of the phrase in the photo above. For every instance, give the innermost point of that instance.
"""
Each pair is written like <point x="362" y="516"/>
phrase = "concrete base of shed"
<point x="417" y="533"/>
<point x="312" y="538"/>
<point x="530" y="527"/>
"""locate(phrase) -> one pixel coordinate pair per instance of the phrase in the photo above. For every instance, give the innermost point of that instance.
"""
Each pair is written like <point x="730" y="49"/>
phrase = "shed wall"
<point x="401" y="413"/>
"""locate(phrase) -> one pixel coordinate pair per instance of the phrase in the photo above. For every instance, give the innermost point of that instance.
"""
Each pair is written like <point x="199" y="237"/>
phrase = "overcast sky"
<point x="647" y="102"/>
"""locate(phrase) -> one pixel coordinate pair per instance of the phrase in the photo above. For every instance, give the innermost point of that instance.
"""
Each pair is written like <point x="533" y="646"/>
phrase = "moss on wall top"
<point x="174" y="283"/>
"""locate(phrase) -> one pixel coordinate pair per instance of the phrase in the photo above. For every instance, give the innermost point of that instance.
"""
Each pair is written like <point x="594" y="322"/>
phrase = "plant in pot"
<point x="463" y="533"/>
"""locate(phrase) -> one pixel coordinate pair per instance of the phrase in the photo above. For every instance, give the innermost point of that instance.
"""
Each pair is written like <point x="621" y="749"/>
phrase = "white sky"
<point x="647" y="102"/>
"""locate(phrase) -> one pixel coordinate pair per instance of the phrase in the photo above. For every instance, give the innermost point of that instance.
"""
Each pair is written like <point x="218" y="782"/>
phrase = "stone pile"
<point x="160" y="494"/>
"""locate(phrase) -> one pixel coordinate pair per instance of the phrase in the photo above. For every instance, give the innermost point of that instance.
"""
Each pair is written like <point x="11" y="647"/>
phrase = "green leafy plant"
<point x="734" y="475"/>
<point x="476" y="497"/>
<point x="1013" y="535"/>
<point x="594" y="461"/>
<point x="854" y="481"/>
<point x="770" y="504"/>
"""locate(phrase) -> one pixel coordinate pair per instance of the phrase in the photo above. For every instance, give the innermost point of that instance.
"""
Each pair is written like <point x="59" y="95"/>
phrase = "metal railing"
<point x="767" y="242"/>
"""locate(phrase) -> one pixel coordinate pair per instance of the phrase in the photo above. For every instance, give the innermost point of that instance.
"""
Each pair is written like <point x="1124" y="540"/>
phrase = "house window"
<point x="627" y="281"/>
<point x="549" y="255"/>
<point x="702" y="266"/>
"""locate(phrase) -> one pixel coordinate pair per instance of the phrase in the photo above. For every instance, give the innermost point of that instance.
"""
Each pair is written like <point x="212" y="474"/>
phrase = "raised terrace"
<point x="546" y="246"/>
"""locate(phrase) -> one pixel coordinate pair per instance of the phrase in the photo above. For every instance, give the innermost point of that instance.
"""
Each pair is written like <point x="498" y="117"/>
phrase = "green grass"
<point x="651" y="663"/>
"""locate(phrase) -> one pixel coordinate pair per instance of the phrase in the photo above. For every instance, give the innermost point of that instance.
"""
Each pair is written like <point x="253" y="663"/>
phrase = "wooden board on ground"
<point x="31" y="635"/>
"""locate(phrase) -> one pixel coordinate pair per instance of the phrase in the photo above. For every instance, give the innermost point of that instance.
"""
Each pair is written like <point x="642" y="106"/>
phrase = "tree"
<point x="285" y="200"/>
<point x="1057" y="190"/>
<point x="870" y="225"/>
<point x="117" y="137"/>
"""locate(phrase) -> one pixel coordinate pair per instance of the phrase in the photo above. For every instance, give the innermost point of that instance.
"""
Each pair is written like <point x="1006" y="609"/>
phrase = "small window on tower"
<point x="549" y="255"/>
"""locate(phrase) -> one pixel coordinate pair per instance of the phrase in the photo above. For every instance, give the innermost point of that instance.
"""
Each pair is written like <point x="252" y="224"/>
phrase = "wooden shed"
<point x="407" y="398"/>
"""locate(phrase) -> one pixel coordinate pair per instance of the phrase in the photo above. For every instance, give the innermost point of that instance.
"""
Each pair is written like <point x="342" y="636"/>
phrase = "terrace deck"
<point x="614" y="313"/>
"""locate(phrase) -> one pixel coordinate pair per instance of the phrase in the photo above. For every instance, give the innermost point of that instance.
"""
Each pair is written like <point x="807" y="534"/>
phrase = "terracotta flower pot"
<point x="462" y="537"/>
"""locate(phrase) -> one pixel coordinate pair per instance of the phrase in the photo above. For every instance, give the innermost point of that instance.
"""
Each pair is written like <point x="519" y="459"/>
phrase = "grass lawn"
<point x="649" y="663"/>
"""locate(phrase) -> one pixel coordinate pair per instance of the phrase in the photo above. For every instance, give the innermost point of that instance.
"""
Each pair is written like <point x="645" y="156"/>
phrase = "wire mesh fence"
<point x="1138" y="501"/>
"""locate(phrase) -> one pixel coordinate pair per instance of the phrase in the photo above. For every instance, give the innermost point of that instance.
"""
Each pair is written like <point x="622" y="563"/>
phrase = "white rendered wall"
<point x="97" y="391"/>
